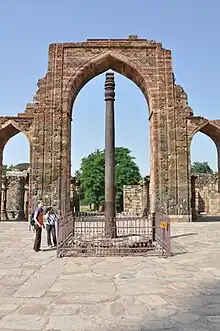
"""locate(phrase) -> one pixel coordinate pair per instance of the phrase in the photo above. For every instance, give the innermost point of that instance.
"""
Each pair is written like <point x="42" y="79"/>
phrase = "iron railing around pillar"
<point x="84" y="234"/>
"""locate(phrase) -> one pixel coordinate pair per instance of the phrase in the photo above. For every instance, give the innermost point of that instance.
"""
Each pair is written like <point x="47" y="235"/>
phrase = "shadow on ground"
<point x="197" y="311"/>
<point x="208" y="219"/>
<point x="184" y="235"/>
<point x="47" y="249"/>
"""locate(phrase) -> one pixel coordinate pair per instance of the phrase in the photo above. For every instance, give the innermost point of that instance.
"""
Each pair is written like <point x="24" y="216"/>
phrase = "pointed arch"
<point x="209" y="129"/>
<point x="198" y="128"/>
<point x="8" y="130"/>
<point x="212" y="131"/>
<point x="16" y="151"/>
<point x="99" y="64"/>
<point x="10" y="121"/>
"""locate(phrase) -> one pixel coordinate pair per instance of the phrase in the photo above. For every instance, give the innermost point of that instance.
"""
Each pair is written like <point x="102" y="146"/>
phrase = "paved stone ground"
<point x="40" y="292"/>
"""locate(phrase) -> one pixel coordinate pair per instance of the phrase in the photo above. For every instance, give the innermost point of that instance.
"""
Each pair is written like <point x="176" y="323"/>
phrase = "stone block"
<point x="22" y="322"/>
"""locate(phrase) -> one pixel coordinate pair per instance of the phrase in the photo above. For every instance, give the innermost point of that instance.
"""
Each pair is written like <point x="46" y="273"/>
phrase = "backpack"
<point x="32" y="221"/>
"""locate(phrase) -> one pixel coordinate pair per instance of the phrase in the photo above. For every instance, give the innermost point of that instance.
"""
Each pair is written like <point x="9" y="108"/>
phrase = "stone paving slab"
<point x="39" y="292"/>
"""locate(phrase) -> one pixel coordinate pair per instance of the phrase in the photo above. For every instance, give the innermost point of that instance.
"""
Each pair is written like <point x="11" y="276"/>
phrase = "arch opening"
<point x="131" y="128"/>
<point x="204" y="170"/>
<point x="14" y="170"/>
<point x="98" y="65"/>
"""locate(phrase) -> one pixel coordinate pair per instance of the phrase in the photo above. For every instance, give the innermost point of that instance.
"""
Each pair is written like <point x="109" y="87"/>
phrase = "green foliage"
<point x="92" y="176"/>
<point x="6" y="168"/>
<point x="201" y="167"/>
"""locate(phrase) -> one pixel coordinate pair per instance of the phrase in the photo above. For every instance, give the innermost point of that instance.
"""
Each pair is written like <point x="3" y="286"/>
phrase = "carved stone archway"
<point x="9" y="127"/>
<point x="114" y="60"/>
<point x="210" y="128"/>
<point x="149" y="66"/>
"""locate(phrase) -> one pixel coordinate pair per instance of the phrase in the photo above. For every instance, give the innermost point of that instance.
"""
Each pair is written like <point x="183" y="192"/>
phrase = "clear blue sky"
<point x="190" y="28"/>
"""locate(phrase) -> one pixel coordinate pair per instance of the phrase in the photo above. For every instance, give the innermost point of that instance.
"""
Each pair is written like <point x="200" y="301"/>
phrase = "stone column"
<point x="4" y="198"/>
<point x="15" y="193"/>
<point x="74" y="195"/>
<point x="110" y="205"/>
<point x="26" y="199"/>
<point x="145" y="197"/>
<point x="21" y="213"/>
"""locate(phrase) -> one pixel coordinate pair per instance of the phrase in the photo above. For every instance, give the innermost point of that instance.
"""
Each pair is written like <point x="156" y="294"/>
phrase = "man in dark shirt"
<point x="39" y="223"/>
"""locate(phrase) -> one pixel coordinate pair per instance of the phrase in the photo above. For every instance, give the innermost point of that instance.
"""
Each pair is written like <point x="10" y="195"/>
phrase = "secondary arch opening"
<point x="15" y="196"/>
<point x="204" y="176"/>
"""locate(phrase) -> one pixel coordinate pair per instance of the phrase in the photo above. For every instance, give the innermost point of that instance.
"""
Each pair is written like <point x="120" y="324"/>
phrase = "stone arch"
<point x="209" y="128"/>
<point x="212" y="131"/>
<point x="9" y="129"/>
<point x="147" y="64"/>
<point x="207" y="134"/>
<point x="197" y="129"/>
<point x="91" y="69"/>
<point x="99" y="64"/>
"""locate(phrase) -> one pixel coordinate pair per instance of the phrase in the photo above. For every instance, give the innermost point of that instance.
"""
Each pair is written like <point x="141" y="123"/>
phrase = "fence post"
<point x="153" y="227"/>
<point x="168" y="238"/>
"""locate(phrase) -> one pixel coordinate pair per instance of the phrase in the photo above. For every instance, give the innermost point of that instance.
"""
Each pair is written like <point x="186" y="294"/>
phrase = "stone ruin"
<point x="15" y="197"/>
<point x="15" y="194"/>
<point x="205" y="197"/>
<point x="46" y="122"/>
<point x="136" y="198"/>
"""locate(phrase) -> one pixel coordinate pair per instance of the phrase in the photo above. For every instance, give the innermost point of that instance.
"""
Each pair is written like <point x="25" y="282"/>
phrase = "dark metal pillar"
<point x="110" y="205"/>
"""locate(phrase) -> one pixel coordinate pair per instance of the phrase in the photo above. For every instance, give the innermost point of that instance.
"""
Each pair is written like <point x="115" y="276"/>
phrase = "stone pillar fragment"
<point x="15" y="194"/>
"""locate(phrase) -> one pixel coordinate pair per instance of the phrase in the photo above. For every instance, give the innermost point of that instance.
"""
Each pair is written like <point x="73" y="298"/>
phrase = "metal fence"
<point x="162" y="232"/>
<point x="84" y="234"/>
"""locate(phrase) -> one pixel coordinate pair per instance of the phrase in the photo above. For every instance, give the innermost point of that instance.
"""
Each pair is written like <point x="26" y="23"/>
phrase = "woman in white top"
<point x="51" y="218"/>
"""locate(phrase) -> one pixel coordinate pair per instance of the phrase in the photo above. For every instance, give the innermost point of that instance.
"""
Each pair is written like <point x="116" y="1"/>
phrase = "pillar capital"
<point x="109" y="86"/>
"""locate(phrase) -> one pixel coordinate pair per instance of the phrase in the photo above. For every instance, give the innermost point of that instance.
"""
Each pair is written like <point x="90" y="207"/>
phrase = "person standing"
<point x="38" y="225"/>
<point x="51" y="218"/>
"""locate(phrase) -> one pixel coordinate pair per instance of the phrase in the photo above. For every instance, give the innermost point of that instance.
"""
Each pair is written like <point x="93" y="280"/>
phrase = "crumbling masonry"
<point x="47" y="121"/>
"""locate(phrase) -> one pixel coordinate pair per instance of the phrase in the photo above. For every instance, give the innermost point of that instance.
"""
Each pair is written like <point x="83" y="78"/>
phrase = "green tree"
<point x="92" y="176"/>
<point x="127" y="173"/>
<point x="201" y="167"/>
<point x="6" y="168"/>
